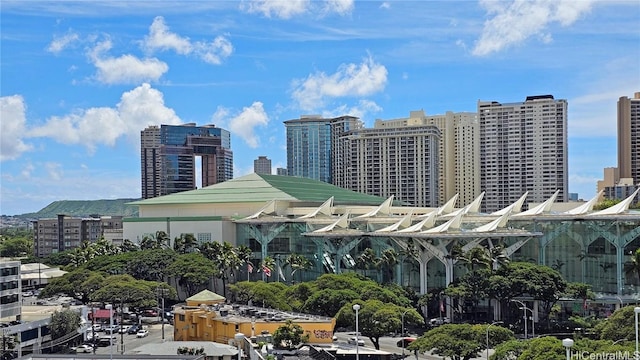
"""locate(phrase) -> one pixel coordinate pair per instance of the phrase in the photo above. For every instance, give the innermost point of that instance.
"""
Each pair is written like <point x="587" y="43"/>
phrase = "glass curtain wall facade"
<point x="309" y="148"/>
<point x="593" y="251"/>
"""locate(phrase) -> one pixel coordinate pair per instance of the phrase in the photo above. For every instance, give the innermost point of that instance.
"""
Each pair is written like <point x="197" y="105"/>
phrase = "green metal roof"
<point x="263" y="188"/>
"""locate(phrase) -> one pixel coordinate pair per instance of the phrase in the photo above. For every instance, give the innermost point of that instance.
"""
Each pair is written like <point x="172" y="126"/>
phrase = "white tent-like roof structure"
<point x="619" y="208"/>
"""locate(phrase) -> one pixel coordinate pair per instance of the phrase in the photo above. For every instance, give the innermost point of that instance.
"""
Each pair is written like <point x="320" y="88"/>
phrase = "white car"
<point x="352" y="340"/>
<point x="84" y="348"/>
<point x="142" y="333"/>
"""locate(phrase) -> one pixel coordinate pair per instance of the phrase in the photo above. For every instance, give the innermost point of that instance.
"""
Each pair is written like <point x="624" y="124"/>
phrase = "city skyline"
<point x="81" y="80"/>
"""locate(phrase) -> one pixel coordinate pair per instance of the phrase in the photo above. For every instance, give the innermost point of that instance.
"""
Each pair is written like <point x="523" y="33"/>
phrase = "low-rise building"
<point x="205" y="317"/>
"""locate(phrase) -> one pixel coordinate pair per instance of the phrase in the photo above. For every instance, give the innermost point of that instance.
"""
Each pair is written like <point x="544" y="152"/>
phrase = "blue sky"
<point x="81" y="79"/>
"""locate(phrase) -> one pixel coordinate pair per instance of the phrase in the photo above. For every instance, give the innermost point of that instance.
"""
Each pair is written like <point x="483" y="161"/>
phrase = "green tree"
<point x="192" y="271"/>
<point x="15" y="246"/>
<point x="632" y="267"/>
<point x="151" y="264"/>
<point x="620" y="325"/>
<point x="460" y="341"/>
<point x="124" y="289"/>
<point x="297" y="262"/>
<point x="377" y="318"/>
<point x="185" y="243"/>
<point x="64" y="325"/>
<point x="160" y="240"/>
<point x="327" y="302"/>
<point x="289" y="335"/>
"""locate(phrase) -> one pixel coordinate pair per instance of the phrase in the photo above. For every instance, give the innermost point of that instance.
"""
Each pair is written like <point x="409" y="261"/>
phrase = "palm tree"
<point x="476" y="256"/>
<point x="388" y="259"/>
<point x="367" y="260"/>
<point x="632" y="268"/>
<point x="297" y="262"/>
<point x="185" y="243"/>
<point x="244" y="254"/>
<point x="410" y="252"/>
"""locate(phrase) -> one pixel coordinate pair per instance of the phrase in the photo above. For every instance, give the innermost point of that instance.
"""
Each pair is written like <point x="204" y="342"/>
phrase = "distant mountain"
<point x="80" y="208"/>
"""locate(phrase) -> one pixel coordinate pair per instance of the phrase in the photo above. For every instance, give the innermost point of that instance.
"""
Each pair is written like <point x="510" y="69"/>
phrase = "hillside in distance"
<point x="81" y="208"/>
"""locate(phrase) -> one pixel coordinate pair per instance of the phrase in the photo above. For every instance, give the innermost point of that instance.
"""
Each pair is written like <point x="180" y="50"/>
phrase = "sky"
<point x="79" y="80"/>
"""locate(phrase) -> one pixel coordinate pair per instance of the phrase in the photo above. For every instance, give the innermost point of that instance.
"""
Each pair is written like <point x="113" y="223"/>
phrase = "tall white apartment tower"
<point x="523" y="147"/>
<point x="458" y="152"/>
<point x="385" y="161"/>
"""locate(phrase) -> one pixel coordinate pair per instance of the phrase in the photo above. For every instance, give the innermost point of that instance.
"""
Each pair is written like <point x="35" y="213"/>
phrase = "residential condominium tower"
<point x="523" y="148"/>
<point x="168" y="157"/>
<point x="385" y="161"/>
<point x="262" y="165"/>
<point x="629" y="138"/>
<point x="458" y="152"/>
<point x="309" y="145"/>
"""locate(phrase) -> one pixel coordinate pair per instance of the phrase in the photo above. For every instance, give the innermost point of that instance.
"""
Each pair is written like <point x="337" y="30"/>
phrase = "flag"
<point x="266" y="270"/>
<point x="441" y="306"/>
<point x="281" y="274"/>
<point x="584" y="304"/>
<point x="249" y="268"/>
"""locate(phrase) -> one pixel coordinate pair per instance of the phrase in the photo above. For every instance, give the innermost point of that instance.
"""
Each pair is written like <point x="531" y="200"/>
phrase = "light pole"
<point x="533" y="323"/>
<point x="568" y="343"/>
<point x="636" y="311"/>
<point x="493" y="323"/>
<point x="356" y="307"/>
<point x="110" y="307"/>
<point x="162" y="292"/>
<point x="403" y="339"/>
<point x="239" y="337"/>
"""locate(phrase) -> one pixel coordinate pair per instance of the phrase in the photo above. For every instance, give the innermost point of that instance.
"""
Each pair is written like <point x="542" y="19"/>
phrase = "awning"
<point x="101" y="314"/>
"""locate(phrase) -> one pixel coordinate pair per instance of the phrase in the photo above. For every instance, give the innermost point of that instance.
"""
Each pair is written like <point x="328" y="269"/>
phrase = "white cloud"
<point x="54" y="170"/>
<point x="350" y="80"/>
<point x="276" y="8"/>
<point x="12" y="127"/>
<point x="290" y="8"/>
<point x="244" y="123"/>
<point x="340" y="7"/>
<point x="137" y="109"/>
<point x="126" y="69"/>
<point x="385" y="5"/>
<point x="161" y="38"/>
<point x="60" y="43"/>
<point x="515" y="21"/>
<point x="361" y="110"/>
<point x="26" y="171"/>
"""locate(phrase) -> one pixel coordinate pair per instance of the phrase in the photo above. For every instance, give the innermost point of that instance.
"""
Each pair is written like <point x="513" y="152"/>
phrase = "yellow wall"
<point x="202" y="325"/>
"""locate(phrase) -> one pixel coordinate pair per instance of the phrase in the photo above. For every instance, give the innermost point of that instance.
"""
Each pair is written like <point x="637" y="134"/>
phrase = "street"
<point x="131" y="341"/>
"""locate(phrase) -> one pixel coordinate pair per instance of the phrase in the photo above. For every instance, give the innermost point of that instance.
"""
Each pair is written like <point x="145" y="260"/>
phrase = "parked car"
<point x="96" y="327"/>
<point x="142" y="333"/>
<point x="111" y="329"/>
<point x="353" y="341"/>
<point x="149" y="313"/>
<point x="124" y="329"/>
<point x="133" y="329"/>
<point x="439" y="321"/>
<point x="84" y="348"/>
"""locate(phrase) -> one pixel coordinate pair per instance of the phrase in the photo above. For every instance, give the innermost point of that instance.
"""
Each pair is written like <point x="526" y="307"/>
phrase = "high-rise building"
<point x="262" y="165"/>
<point x="523" y="147"/>
<point x="458" y="152"/>
<point x="282" y="171"/>
<point x="309" y="145"/>
<point x="168" y="157"/>
<point x="385" y="161"/>
<point x="629" y="138"/>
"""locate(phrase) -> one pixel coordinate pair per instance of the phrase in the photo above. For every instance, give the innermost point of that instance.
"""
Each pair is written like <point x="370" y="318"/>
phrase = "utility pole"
<point x="162" y="292"/>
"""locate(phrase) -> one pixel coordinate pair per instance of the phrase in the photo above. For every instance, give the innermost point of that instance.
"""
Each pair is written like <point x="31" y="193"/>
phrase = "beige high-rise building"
<point x="523" y="148"/>
<point x="262" y="165"/>
<point x="401" y="161"/>
<point x="629" y="137"/>
<point x="458" y="152"/>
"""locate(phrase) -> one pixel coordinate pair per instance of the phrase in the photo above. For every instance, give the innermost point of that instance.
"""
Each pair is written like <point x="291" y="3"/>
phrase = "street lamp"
<point x="533" y="321"/>
<point x="403" y="339"/>
<point x="239" y="337"/>
<point x="356" y="307"/>
<point x="568" y="343"/>
<point x="636" y="311"/>
<point x="493" y="323"/>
